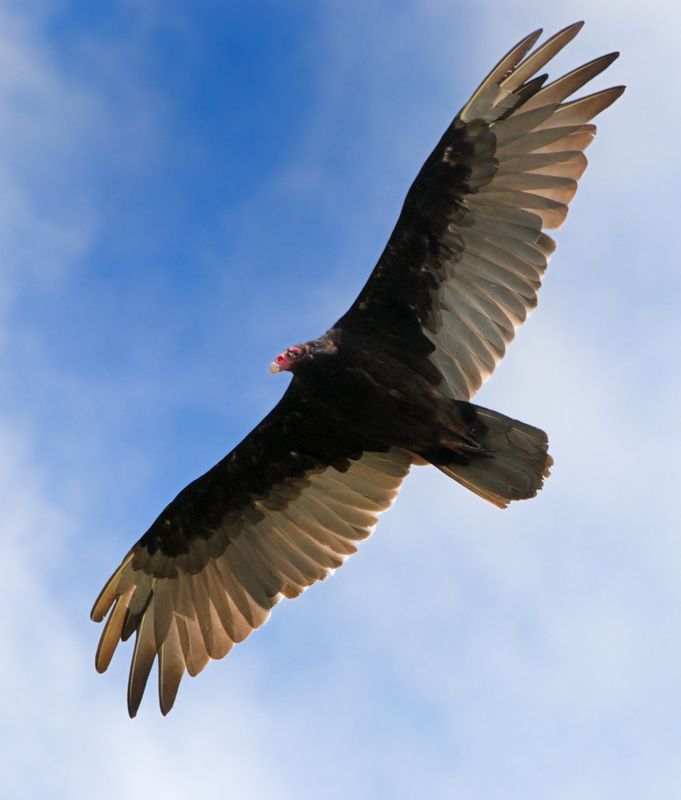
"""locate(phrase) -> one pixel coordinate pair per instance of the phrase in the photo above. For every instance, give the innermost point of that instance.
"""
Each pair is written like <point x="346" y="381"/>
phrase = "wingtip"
<point x="134" y="701"/>
<point x="568" y="33"/>
<point x="617" y="92"/>
<point x="107" y="596"/>
<point x="531" y="39"/>
<point x="607" y="59"/>
<point x="100" y="665"/>
<point x="102" y="604"/>
<point x="165" y="710"/>
<point x="573" y="28"/>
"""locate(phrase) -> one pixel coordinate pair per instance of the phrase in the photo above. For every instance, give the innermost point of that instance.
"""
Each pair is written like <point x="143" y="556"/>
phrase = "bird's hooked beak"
<point x="289" y="359"/>
<point x="280" y="363"/>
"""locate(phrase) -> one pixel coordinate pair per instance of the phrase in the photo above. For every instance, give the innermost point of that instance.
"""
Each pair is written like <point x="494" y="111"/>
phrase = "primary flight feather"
<point x="388" y="386"/>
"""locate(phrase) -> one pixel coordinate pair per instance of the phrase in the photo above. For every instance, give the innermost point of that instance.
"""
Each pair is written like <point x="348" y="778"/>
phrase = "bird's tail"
<point x="516" y="463"/>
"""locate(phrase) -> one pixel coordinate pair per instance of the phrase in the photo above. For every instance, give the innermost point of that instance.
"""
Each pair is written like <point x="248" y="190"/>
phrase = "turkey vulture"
<point x="386" y="387"/>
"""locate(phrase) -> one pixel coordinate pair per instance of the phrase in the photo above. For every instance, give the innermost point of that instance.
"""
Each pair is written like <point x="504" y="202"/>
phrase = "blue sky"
<point x="185" y="190"/>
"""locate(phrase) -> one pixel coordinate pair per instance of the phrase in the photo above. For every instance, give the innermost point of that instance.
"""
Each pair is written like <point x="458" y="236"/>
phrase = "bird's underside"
<point x="386" y="387"/>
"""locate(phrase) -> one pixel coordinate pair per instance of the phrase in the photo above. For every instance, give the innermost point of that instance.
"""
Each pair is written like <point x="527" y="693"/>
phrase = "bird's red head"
<point x="290" y="359"/>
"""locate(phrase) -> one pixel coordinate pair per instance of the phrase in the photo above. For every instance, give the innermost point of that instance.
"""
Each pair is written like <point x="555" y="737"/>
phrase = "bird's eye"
<point x="294" y="352"/>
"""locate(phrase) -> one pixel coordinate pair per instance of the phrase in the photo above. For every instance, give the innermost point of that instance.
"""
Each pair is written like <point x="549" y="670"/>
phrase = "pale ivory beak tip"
<point x="274" y="368"/>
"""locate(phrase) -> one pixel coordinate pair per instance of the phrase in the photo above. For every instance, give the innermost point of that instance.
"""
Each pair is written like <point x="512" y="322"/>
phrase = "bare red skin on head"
<point x="288" y="360"/>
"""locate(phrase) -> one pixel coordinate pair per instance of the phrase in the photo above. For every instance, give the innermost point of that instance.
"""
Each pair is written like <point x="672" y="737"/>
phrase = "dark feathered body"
<point x="367" y="390"/>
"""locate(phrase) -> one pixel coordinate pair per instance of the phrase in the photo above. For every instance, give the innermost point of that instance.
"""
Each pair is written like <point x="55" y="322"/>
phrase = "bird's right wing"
<point x="282" y="511"/>
<point x="463" y="266"/>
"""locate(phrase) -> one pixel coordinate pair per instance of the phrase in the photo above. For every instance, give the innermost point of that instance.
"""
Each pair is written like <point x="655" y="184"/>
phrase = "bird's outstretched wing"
<point x="282" y="511"/>
<point x="462" y="267"/>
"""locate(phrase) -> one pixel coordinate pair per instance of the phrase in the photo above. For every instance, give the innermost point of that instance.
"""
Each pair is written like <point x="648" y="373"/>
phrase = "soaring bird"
<point x="387" y="387"/>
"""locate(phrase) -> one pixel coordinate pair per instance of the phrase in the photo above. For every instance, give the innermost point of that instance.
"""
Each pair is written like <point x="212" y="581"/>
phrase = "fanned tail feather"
<point x="518" y="464"/>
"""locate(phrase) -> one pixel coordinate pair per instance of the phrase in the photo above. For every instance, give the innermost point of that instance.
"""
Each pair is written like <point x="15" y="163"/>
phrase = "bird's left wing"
<point x="462" y="267"/>
<point x="282" y="511"/>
